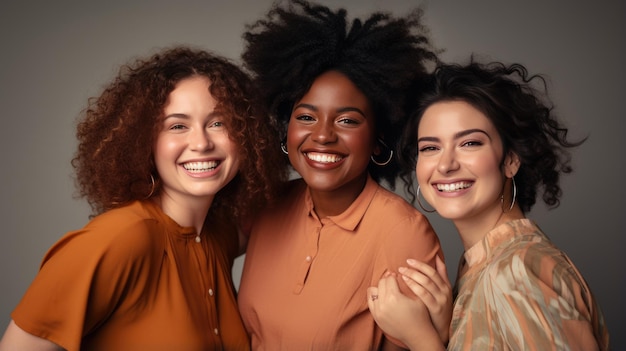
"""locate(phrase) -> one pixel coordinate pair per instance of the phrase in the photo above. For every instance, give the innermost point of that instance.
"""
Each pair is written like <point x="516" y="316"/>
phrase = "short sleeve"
<point x="539" y="299"/>
<point x="83" y="277"/>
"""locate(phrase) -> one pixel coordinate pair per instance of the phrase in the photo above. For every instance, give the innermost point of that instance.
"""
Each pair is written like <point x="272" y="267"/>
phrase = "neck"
<point x="333" y="202"/>
<point x="473" y="230"/>
<point x="184" y="212"/>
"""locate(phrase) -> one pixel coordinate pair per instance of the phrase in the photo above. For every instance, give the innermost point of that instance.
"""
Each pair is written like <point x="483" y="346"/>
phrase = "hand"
<point x="434" y="290"/>
<point x="401" y="317"/>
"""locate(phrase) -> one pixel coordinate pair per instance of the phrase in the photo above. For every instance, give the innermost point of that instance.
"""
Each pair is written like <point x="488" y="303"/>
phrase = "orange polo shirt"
<point x="305" y="279"/>
<point x="133" y="279"/>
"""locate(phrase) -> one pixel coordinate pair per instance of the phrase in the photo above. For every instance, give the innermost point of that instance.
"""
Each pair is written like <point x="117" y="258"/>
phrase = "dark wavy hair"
<point x="114" y="162"/>
<point x="520" y="111"/>
<point x="297" y="41"/>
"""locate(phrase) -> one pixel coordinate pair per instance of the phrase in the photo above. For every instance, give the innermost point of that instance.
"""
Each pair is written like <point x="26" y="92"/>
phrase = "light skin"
<point x="194" y="155"/>
<point x="330" y="139"/>
<point x="462" y="171"/>
<point x="195" y="159"/>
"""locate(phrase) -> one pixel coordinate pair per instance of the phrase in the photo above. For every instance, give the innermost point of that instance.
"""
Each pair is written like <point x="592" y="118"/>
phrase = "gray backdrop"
<point x="56" y="54"/>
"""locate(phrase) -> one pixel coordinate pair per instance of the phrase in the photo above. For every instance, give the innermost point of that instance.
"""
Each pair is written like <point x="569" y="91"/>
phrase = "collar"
<point x="352" y="216"/>
<point x="496" y="238"/>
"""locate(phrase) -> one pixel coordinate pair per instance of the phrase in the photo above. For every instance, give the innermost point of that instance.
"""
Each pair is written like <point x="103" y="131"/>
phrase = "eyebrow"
<point x="457" y="135"/>
<point x="186" y="116"/>
<point x="339" y="110"/>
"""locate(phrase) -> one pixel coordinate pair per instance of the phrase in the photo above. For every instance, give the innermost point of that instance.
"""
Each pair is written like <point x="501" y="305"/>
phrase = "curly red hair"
<point x="116" y="133"/>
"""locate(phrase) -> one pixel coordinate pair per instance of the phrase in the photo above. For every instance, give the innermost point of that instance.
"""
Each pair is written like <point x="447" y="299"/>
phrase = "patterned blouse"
<point x="517" y="291"/>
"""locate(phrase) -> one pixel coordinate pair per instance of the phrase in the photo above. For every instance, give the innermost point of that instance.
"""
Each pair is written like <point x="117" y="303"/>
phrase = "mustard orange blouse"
<point x="133" y="279"/>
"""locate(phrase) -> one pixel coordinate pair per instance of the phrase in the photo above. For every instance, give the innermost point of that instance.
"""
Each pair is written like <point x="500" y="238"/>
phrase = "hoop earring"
<point x="153" y="186"/>
<point x="386" y="162"/>
<point x="514" y="197"/>
<point x="417" y="196"/>
<point x="283" y="147"/>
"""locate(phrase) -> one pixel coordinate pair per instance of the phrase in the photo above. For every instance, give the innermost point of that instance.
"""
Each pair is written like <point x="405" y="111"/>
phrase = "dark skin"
<point x="330" y="140"/>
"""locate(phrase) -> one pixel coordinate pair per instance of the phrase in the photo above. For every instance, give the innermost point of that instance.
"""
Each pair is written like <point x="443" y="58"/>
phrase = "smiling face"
<point x="331" y="135"/>
<point x="194" y="156"/>
<point x="459" y="170"/>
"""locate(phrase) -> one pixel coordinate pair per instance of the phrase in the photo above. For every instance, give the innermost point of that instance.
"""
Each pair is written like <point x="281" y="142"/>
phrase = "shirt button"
<point x="211" y="292"/>
<point x="308" y="258"/>
<point x="216" y="331"/>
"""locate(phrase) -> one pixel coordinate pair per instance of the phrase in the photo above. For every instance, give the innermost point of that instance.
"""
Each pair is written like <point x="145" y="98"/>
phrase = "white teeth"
<point x="323" y="158"/>
<point x="453" y="187"/>
<point x="200" y="166"/>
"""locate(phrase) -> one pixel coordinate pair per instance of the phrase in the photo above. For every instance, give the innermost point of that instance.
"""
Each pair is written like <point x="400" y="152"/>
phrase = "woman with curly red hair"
<point x="173" y="157"/>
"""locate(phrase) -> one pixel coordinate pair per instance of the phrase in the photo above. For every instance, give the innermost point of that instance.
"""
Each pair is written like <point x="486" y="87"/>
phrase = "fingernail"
<point x="411" y="261"/>
<point x="402" y="269"/>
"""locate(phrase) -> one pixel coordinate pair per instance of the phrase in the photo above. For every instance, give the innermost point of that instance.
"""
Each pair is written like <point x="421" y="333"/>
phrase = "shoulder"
<point x="395" y="212"/>
<point x="385" y="198"/>
<point x="534" y="263"/>
<point x="128" y="231"/>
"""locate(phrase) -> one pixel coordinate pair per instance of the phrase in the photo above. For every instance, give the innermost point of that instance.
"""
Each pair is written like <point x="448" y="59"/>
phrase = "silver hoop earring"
<point x="153" y="187"/>
<point x="514" y="196"/>
<point x="283" y="147"/>
<point x="417" y="196"/>
<point x="386" y="162"/>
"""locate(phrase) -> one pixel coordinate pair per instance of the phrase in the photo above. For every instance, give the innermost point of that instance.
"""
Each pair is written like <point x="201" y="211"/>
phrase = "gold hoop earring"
<point x="417" y="196"/>
<point x="386" y="162"/>
<point x="153" y="187"/>
<point x="514" y="197"/>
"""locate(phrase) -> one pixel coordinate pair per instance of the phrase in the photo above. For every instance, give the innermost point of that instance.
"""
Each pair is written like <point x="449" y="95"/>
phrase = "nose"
<point x="323" y="132"/>
<point x="199" y="140"/>
<point x="447" y="162"/>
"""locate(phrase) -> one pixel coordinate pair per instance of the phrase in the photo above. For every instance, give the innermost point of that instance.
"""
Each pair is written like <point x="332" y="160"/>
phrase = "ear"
<point x="511" y="164"/>
<point x="377" y="150"/>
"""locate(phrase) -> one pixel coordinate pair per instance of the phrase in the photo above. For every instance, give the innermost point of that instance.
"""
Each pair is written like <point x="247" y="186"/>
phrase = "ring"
<point x="374" y="297"/>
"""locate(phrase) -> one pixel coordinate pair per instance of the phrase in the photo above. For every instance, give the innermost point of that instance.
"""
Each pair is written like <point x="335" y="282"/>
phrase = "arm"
<point x="17" y="339"/>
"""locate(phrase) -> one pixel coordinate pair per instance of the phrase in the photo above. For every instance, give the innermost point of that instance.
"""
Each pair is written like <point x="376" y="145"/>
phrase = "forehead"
<point x="335" y="87"/>
<point x="449" y="117"/>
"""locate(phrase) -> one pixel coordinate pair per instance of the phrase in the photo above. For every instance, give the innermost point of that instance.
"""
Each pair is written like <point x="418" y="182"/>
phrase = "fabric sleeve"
<point x="410" y="237"/>
<point x="83" y="277"/>
<point x="539" y="301"/>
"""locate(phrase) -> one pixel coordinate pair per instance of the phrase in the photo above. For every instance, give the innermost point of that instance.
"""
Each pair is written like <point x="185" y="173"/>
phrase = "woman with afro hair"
<point x="173" y="156"/>
<point x="484" y="142"/>
<point x="337" y="89"/>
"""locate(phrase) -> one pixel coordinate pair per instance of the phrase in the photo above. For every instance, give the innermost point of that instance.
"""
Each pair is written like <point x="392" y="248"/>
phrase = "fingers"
<point x="428" y="283"/>
<point x="430" y="278"/>
<point x="441" y="269"/>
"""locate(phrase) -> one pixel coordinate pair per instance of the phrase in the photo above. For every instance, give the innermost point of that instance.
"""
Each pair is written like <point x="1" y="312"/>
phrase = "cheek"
<point x="485" y="165"/>
<point x="424" y="169"/>
<point x="163" y="149"/>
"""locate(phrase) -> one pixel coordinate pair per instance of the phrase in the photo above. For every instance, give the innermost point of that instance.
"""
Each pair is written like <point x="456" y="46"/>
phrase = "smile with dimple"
<point x="322" y="157"/>
<point x="453" y="186"/>
<point x="200" y="166"/>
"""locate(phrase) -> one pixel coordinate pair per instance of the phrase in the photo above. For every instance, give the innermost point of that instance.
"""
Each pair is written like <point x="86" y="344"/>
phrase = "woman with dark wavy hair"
<point x="173" y="156"/>
<point x="337" y="89"/>
<point x="484" y="142"/>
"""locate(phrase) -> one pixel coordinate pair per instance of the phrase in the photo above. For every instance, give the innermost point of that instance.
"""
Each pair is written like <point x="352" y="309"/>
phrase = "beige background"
<point x="55" y="55"/>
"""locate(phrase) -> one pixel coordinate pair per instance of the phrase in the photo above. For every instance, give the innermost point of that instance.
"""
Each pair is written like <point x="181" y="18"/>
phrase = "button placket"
<point x="305" y="266"/>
